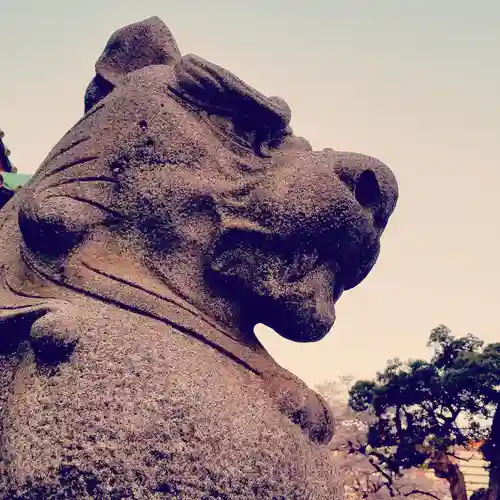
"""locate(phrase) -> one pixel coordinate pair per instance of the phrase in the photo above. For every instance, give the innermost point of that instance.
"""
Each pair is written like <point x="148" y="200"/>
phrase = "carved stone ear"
<point x="133" y="47"/>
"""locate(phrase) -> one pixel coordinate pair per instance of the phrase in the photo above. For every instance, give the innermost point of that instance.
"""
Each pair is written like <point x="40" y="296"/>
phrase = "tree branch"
<point x="399" y="426"/>
<point x="420" y="492"/>
<point x="389" y="483"/>
<point x="451" y="454"/>
<point x="393" y="466"/>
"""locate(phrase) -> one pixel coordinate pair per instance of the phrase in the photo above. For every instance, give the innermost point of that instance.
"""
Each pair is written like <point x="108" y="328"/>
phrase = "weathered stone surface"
<point x="176" y="214"/>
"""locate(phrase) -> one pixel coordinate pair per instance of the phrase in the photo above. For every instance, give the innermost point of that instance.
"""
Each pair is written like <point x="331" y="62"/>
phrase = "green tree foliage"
<point x="364" y="476"/>
<point x="424" y="409"/>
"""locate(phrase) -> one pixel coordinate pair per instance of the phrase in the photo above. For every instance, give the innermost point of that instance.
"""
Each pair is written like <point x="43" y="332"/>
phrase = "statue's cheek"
<point x="54" y="225"/>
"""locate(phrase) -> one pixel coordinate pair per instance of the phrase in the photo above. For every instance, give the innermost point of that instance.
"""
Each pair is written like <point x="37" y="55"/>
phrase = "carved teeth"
<point x="302" y="264"/>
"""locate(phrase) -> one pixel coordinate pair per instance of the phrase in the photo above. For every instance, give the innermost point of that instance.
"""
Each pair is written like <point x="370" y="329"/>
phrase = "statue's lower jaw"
<point x="302" y="311"/>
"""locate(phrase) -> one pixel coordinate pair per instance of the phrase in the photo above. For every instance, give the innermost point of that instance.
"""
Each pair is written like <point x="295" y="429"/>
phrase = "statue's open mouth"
<point x="303" y="263"/>
<point x="251" y="257"/>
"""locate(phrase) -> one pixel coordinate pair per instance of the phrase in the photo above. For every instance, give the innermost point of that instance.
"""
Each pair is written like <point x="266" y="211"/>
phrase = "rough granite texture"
<point x="180" y="211"/>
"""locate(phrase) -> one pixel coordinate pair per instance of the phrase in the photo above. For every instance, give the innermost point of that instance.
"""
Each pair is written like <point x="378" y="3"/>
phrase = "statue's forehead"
<point x="198" y="85"/>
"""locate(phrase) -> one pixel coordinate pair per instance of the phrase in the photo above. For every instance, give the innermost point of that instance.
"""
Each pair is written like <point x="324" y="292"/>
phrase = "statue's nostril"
<point x="367" y="189"/>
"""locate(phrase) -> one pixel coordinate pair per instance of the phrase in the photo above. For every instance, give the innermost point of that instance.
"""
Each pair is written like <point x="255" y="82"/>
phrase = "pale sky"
<point x="415" y="83"/>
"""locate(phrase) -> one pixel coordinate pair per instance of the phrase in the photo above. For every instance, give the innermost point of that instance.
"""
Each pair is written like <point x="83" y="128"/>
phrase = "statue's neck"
<point x="174" y="289"/>
<point x="180" y="273"/>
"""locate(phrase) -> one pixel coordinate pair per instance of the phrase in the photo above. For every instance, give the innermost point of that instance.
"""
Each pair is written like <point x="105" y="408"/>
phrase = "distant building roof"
<point x="473" y="466"/>
<point x="14" y="180"/>
<point x="10" y="180"/>
<point x="9" y="183"/>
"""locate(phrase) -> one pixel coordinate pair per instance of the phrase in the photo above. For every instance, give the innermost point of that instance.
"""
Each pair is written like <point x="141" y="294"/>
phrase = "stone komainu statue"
<point x="180" y="211"/>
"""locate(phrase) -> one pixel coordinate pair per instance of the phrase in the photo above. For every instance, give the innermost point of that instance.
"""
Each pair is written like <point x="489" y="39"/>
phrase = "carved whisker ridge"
<point x="66" y="149"/>
<point x="89" y="113"/>
<point x="93" y="203"/>
<point x="73" y="163"/>
<point x="65" y="182"/>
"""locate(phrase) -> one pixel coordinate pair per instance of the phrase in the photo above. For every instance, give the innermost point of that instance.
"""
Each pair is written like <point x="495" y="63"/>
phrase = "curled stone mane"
<point x="176" y="214"/>
<point x="217" y="91"/>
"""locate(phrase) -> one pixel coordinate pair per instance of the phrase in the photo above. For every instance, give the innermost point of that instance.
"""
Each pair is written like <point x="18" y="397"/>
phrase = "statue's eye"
<point x="243" y="132"/>
<point x="273" y="140"/>
<point x="235" y="132"/>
